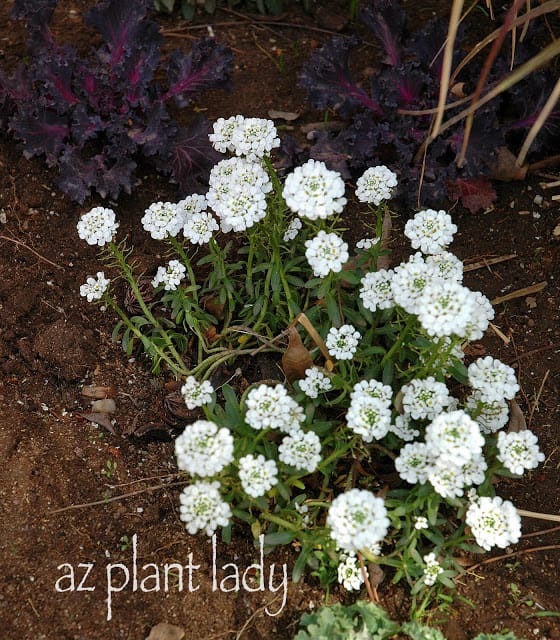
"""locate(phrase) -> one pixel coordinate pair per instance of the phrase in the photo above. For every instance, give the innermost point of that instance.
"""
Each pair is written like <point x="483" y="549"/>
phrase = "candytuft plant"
<point x="92" y="116"/>
<point x="377" y="444"/>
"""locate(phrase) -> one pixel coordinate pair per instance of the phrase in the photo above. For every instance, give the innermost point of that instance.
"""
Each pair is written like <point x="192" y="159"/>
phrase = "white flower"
<point x="493" y="522"/>
<point x="357" y="520"/>
<point x="326" y="252"/>
<point x="449" y="479"/>
<point x="203" y="449"/>
<point x="425" y="399"/>
<point x="372" y="388"/>
<point x="376" y="185"/>
<point x="409" y="280"/>
<point x="169" y="276"/>
<point x="202" y="507"/>
<point x="293" y="229"/>
<point x="224" y="131"/>
<point x="403" y="429"/>
<point x="494" y="379"/>
<point x="98" y="226"/>
<point x="196" y="394"/>
<point x="454" y="437"/>
<point x="519" y="451"/>
<point x="249" y="137"/>
<point x="481" y="315"/>
<point x="446" y="265"/>
<point x="367" y="243"/>
<point x="421" y="522"/>
<point x="376" y="292"/>
<point x="313" y="191"/>
<point x="430" y="231"/>
<point x="237" y="193"/>
<point x="491" y="416"/>
<point x="315" y="382"/>
<point x="368" y="417"/>
<point x="94" y="288"/>
<point x="257" y="475"/>
<point x="163" y="219"/>
<point x="301" y="450"/>
<point x="432" y="569"/>
<point x="270" y="407"/>
<point x="199" y="227"/>
<point x="195" y="203"/>
<point x="343" y="342"/>
<point x="414" y="462"/>
<point x="445" y="308"/>
<point x="350" y="574"/>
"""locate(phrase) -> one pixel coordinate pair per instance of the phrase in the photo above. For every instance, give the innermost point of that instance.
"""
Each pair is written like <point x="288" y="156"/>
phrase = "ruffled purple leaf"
<point x="123" y="27"/>
<point x="329" y="83"/>
<point x="207" y="66"/>
<point x="153" y="134"/>
<point x="40" y="133"/>
<point x="76" y="175"/>
<point x="191" y="156"/>
<point x="386" y="19"/>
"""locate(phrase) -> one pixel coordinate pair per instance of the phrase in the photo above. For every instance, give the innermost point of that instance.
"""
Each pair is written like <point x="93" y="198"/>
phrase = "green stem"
<point x="400" y="340"/>
<point x="179" y="367"/>
<point x="186" y="261"/>
<point x="279" y="521"/>
<point x="126" y="320"/>
<point x="221" y="267"/>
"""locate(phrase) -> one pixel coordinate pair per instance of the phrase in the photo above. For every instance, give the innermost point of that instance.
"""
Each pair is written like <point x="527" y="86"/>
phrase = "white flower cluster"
<point x="196" y="394"/>
<point x="491" y="416"/>
<point x="98" y="226"/>
<point x="494" y="380"/>
<point x="367" y="243"/>
<point x="202" y="508"/>
<point x="377" y="290"/>
<point x="519" y="451"/>
<point x="375" y="185"/>
<point x="350" y="574"/>
<point x="257" y="475"/>
<point x="198" y="223"/>
<point x="163" y="219"/>
<point x="425" y="399"/>
<point x="432" y="569"/>
<point x="315" y="382"/>
<point x="420" y="522"/>
<point x="301" y="450"/>
<point x="237" y="193"/>
<point x="292" y="230"/>
<point x="203" y="449"/>
<point x="326" y="252"/>
<point x="170" y="276"/>
<point x="94" y="288"/>
<point x="357" y="520"/>
<point x="342" y="342"/>
<point x="313" y="191"/>
<point x="430" y="231"/>
<point x="270" y="407"/>
<point x="493" y="522"/>
<point x="450" y="458"/>
<point x="430" y="286"/>
<point x="369" y="413"/>
<point x="252" y="138"/>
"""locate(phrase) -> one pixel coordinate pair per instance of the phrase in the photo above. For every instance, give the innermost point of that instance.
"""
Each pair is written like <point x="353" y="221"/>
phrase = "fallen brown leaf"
<point x="296" y="359"/>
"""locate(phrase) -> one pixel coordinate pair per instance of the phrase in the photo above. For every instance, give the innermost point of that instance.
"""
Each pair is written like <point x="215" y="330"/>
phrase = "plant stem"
<point x="180" y="366"/>
<point x="186" y="261"/>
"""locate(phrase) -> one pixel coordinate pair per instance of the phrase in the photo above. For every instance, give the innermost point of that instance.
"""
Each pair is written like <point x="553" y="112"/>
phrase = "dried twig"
<point x="507" y="556"/>
<point x="538" y="516"/>
<point x="35" y="253"/>
<point x="520" y="293"/>
<point x="485" y="262"/>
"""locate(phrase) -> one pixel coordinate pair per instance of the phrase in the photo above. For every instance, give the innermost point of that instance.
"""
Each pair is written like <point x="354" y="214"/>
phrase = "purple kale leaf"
<point x="329" y="83"/>
<point x="206" y="66"/>
<point x="92" y="116"/>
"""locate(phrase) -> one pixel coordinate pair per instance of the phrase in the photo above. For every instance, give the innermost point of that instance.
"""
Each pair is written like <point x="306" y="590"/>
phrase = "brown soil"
<point x="75" y="497"/>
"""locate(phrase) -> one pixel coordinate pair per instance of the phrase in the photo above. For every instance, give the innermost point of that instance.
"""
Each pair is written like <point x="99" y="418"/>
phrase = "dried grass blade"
<point x="488" y="261"/>
<point x="520" y="293"/>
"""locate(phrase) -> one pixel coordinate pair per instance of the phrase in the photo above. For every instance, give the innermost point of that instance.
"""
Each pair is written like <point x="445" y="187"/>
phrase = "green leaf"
<point x="279" y="537"/>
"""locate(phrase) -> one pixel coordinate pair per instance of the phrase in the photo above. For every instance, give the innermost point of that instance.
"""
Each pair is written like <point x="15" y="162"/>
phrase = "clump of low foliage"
<point x="91" y="116"/>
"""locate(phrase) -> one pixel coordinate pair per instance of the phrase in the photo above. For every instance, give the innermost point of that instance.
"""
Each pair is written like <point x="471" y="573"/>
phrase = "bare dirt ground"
<point x="80" y="505"/>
